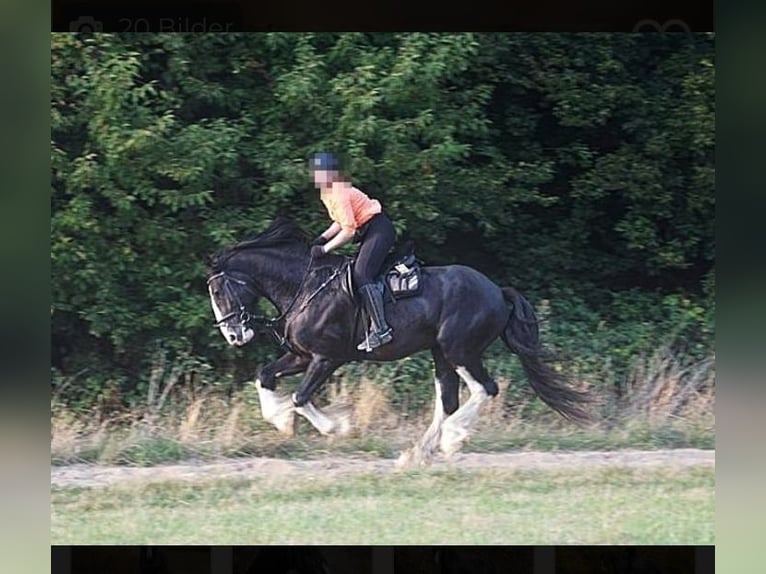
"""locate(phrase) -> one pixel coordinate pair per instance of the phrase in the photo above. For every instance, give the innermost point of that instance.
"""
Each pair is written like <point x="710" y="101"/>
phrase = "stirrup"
<point x="374" y="340"/>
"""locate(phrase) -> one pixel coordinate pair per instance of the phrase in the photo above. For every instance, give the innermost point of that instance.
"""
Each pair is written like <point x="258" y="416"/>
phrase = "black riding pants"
<point x="376" y="237"/>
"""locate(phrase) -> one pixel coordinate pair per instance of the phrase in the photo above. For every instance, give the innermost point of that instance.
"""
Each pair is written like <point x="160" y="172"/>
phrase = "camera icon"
<point x="86" y="24"/>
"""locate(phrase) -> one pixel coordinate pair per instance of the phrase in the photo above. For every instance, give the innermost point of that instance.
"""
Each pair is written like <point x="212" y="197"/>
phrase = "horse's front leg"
<point x="318" y="371"/>
<point x="276" y="409"/>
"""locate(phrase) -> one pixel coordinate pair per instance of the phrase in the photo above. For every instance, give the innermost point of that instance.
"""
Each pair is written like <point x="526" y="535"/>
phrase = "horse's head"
<point x="233" y="299"/>
<point x="277" y="257"/>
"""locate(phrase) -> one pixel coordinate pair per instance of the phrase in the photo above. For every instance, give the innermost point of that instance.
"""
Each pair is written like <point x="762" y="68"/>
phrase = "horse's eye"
<point x="216" y="292"/>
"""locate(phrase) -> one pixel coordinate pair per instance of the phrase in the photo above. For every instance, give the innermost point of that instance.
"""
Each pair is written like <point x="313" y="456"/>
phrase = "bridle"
<point x="230" y="293"/>
<point x="259" y="322"/>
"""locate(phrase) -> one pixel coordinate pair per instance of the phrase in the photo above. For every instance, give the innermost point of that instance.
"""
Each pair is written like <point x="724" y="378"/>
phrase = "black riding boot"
<point x="380" y="332"/>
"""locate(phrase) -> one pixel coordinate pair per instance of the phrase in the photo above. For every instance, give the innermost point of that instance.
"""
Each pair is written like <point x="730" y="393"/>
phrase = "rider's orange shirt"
<point x="348" y="206"/>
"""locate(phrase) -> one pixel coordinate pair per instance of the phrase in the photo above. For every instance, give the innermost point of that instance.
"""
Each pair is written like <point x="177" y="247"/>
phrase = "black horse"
<point x="458" y="314"/>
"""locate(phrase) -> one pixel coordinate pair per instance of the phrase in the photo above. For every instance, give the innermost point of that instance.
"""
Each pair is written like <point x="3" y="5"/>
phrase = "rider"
<point x="360" y="219"/>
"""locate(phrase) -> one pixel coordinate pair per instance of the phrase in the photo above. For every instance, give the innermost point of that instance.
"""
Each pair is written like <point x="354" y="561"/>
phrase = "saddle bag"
<point x="403" y="279"/>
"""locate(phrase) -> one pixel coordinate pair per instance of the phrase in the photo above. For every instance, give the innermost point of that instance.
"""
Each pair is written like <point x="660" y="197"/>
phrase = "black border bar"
<point x="394" y="15"/>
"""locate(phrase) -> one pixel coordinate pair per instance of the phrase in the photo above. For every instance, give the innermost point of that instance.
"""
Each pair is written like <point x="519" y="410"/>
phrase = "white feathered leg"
<point x="277" y="409"/>
<point x="422" y="452"/>
<point x="457" y="427"/>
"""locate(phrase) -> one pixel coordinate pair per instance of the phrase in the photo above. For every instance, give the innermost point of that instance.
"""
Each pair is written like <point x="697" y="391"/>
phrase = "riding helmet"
<point x="324" y="161"/>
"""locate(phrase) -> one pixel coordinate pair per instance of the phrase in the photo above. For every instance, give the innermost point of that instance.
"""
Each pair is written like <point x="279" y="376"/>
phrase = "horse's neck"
<point x="282" y="281"/>
<point x="280" y="293"/>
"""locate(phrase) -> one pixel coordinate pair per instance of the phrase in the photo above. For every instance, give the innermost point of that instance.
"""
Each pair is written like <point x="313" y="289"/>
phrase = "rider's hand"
<point x="317" y="252"/>
<point x="319" y="241"/>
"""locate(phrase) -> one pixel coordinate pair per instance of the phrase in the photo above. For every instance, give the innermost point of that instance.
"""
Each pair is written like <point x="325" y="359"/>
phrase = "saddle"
<point x="400" y="275"/>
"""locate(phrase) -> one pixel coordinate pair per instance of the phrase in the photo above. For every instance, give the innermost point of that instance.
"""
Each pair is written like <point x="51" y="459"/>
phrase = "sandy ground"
<point x="87" y="475"/>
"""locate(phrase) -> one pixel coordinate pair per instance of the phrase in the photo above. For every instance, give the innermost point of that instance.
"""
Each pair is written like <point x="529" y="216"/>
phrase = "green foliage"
<point x="605" y="343"/>
<point x="579" y="167"/>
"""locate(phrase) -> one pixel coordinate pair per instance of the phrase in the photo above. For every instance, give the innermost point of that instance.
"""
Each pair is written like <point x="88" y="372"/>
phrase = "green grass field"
<point x="654" y="505"/>
<point x="310" y="489"/>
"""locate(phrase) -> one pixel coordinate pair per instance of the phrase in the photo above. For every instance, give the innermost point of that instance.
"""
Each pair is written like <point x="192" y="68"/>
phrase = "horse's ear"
<point x="275" y="222"/>
<point x="279" y="220"/>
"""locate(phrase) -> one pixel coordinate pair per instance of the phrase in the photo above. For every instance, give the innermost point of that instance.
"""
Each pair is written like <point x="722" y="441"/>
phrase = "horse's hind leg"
<point x="457" y="427"/>
<point x="446" y="383"/>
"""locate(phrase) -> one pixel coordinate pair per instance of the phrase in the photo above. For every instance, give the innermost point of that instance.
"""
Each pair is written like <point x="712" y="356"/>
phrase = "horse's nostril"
<point x="232" y="338"/>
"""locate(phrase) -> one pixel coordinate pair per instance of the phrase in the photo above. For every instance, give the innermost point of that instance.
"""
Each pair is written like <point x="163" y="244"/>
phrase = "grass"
<point x="667" y="406"/>
<point x="586" y="506"/>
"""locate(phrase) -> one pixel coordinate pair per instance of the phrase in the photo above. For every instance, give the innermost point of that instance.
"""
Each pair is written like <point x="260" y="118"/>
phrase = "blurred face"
<point x="324" y="178"/>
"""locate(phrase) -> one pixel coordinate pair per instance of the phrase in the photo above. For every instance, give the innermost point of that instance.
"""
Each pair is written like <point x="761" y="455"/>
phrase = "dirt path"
<point x="86" y="475"/>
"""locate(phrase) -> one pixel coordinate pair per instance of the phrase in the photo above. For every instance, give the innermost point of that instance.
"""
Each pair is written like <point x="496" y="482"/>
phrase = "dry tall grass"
<point x="664" y="401"/>
<point x="661" y="388"/>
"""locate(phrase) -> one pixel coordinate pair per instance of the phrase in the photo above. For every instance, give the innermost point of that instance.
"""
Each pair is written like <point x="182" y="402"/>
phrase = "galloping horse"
<point x="458" y="314"/>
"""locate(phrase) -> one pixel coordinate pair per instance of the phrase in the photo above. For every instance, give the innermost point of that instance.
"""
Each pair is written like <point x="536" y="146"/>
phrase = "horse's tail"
<point x="522" y="337"/>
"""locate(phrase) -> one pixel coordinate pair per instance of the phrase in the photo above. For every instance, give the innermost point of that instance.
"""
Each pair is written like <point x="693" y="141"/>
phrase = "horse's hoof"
<point x="426" y="458"/>
<point x="344" y="427"/>
<point x="405" y="460"/>
<point x="342" y="414"/>
<point x="286" y="424"/>
<point x="452" y="441"/>
<point x="451" y="453"/>
<point x="413" y="458"/>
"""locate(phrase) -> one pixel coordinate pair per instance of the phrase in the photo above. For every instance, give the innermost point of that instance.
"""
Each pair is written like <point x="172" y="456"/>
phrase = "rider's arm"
<point x="331" y="231"/>
<point x="344" y="215"/>
<point x="341" y="238"/>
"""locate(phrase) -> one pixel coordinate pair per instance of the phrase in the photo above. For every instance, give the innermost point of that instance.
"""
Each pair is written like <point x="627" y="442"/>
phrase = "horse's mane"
<point x="281" y="231"/>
